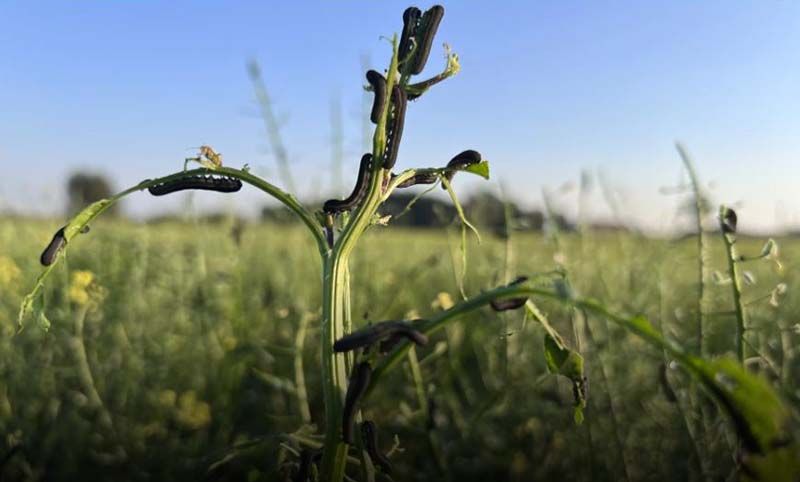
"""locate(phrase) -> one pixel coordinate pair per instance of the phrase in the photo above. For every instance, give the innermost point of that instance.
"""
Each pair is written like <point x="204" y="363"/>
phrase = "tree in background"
<point x="84" y="189"/>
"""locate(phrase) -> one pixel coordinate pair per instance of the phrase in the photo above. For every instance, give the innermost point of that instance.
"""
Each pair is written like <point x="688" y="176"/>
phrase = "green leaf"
<point x="568" y="363"/>
<point x="481" y="169"/>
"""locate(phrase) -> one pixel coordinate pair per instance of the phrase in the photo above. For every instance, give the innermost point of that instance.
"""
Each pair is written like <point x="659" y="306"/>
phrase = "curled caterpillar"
<point x="395" y="130"/>
<point x="356" y="388"/>
<point x="460" y="161"/>
<point x="428" y="25"/>
<point x="51" y="251"/>
<point x="419" y="178"/>
<point x="333" y="206"/>
<point x="378" y="83"/>
<point x="383" y="331"/>
<point x="510" y="303"/>
<point x="369" y="434"/>
<point x="205" y="183"/>
<point x="410" y="24"/>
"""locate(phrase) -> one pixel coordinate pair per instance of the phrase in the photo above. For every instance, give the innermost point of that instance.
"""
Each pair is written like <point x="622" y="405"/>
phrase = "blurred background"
<point x="183" y="339"/>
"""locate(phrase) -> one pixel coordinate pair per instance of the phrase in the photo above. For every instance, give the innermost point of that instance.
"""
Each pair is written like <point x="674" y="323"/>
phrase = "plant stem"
<point x="736" y="287"/>
<point x="701" y="247"/>
<point x="299" y="375"/>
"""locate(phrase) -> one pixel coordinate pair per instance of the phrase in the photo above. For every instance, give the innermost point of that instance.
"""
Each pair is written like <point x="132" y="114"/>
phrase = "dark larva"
<point x="410" y="25"/>
<point x="428" y="26"/>
<point x="419" y="178"/>
<point x="378" y="84"/>
<point x="205" y="183"/>
<point x="728" y="218"/>
<point x="395" y="132"/>
<point x="356" y="388"/>
<point x="303" y="473"/>
<point x="460" y="161"/>
<point x="369" y="434"/>
<point x="372" y="334"/>
<point x="333" y="206"/>
<point x="510" y="303"/>
<point x="51" y="251"/>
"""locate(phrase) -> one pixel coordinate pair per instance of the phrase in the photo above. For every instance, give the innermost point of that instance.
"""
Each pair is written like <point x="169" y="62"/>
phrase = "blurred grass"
<point x="191" y="348"/>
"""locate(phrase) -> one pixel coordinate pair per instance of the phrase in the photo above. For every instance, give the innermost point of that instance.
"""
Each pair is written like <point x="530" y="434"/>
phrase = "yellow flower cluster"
<point x="9" y="271"/>
<point x="192" y="413"/>
<point x="83" y="290"/>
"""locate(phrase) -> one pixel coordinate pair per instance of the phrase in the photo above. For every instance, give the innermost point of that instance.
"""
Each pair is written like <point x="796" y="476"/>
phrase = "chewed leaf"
<point x="481" y="169"/>
<point x="563" y="361"/>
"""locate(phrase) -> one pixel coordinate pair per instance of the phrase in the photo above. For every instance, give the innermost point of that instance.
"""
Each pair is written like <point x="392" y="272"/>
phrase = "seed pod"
<point x="372" y="334"/>
<point x="204" y="183"/>
<point x="378" y="83"/>
<point x="395" y="131"/>
<point x="51" y="251"/>
<point x="420" y="178"/>
<point x="510" y="303"/>
<point x="460" y="161"/>
<point x="428" y="26"/>
<point x="410" y="24"/>
<point x="369" y="434"/>
<point x="356" y="388"/>
<point x="333" y="206"/>
<point x="728" y="220"/>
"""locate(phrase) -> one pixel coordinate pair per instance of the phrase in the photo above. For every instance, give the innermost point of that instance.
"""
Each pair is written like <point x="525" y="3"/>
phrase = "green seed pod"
<point x="205" y="183"/>
<point x="460" y="161"/>
<point x="395" y="129"/>
<point x="51" y="251"/>
<point x="378" y="83"/>
<point x="356" y="388"/>
<point x="369" y="434"/>
<point x="426" y="31"/>
<point x="333" y="206"/>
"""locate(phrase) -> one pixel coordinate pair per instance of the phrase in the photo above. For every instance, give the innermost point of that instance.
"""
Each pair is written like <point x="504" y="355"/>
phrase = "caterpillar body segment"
<point x="378" y="83"/>
<point x="420" y="178"/>
<point x="426" y="31"/>
<point x="333" y="206"/>
<point x="460" y="161"/>
<point x="380" y="332"/>
<point x="56" y="245"/>
<point x="395" y="129"/>
<point x="510" y="303"/>
<point x="356" y="388"/>
<point x="411" y="17"/>
<point x="203" y="183"/>
<point x="369" y="435"/>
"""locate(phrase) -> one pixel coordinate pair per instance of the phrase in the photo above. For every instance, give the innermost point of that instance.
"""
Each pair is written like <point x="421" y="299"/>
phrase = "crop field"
<point x="188" y="351"/>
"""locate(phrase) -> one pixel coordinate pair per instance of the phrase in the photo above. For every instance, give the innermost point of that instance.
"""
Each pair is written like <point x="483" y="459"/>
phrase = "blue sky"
<point x="546" y="89"/>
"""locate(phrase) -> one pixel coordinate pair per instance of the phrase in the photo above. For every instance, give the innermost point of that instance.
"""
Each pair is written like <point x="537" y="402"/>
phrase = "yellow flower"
<point x="9" y="271"/>
<point x="443" y="300"/>
<point x="78" y="285"/>
<point x="192" y="413"/>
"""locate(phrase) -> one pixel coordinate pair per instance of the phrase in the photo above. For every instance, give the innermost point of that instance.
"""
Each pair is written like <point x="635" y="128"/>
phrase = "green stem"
<point x="736" y="286"/>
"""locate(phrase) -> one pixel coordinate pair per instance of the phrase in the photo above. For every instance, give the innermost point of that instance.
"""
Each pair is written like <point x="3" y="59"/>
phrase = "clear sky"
<point x="546" y="89"/>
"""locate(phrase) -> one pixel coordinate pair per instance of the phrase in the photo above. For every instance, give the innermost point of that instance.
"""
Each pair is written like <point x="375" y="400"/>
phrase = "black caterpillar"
<point x="510" y="303"/>
<point x="378" y="83"/>
<point x="308" y="458"/>
<point x="205" y="183"/>
<point x="461" y="160"/>
<point x="428" y="26"/>
<point x="422" y="29"/>
<point x="356" y="388"/>
<point x="51" y="251"/>
<point x="410" y="24"/>
<point x="369" y="434"/>
<point x="419" y="178"/>
<point x="729" y="221"/>
<point x="333" y="206"/>
<point x="395" y="130"/>
<point x="389" y="332"/>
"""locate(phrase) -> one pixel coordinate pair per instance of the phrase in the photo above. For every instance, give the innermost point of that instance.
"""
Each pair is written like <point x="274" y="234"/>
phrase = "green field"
<point x="178" y="357"/>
